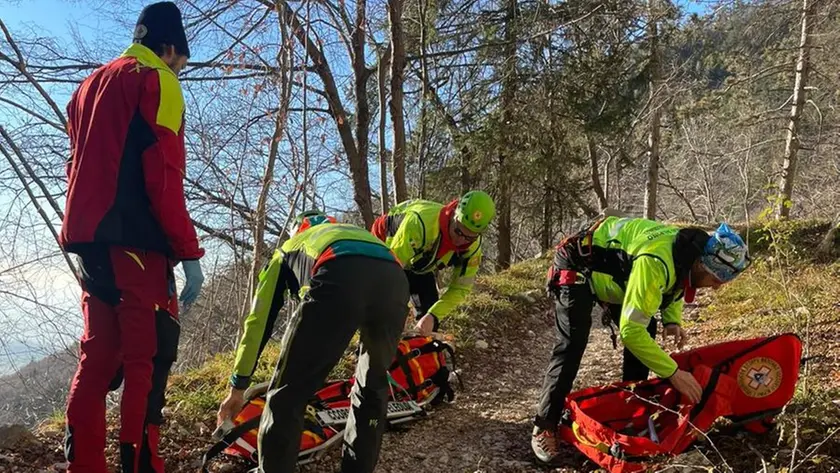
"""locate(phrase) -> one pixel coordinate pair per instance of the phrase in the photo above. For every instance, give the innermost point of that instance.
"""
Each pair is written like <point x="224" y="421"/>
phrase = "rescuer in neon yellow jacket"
<point x="346" y="279"/>
<point x="634" y="268"/>
<point x="427" y="237"/>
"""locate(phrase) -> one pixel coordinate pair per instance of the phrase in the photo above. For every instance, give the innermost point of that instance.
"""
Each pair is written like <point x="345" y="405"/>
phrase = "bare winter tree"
<point x="792" y="143"/>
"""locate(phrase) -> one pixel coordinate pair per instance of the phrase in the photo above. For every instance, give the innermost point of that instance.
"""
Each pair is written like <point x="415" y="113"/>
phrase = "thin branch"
<point x="222" y="78"/>
<point x="228" y="65"/>
<point x="816" y="447"/>
<point x="34" y="114"/>
<point x="233" y="241"/>
<point x="32" y="174"/>
<point x="677" y="413"/>
<point x="228" y="33"/>
<point x="21" y="66"/>
<point x="34" y="201"/>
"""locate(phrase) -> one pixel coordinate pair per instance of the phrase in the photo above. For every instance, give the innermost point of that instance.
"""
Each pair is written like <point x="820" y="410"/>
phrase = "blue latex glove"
<point x="194" y="280"/>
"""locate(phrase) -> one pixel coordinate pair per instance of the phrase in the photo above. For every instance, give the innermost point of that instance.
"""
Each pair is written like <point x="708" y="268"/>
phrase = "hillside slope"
<point x="487" y="428"/>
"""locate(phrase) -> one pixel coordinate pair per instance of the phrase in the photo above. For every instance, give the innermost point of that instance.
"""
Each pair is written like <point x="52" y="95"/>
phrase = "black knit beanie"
<point x="160" y="23"/>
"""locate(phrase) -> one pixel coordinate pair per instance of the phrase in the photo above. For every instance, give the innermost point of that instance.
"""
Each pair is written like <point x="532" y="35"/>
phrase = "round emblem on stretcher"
<point x="760" y="377"/>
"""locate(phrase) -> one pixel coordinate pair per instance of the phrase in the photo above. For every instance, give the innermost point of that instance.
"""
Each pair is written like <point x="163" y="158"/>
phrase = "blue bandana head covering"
<point x="725" y="254"/>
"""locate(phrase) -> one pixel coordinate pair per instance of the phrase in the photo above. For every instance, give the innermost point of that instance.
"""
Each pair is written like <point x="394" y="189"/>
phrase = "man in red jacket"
<point x="127" y="222"/>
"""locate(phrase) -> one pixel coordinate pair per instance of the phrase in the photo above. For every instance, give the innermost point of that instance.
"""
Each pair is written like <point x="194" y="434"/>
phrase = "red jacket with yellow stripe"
<point x="128" y="160"/>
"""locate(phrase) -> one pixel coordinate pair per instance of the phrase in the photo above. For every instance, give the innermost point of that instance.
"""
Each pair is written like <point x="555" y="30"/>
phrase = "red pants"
<point x="131" y="333"/>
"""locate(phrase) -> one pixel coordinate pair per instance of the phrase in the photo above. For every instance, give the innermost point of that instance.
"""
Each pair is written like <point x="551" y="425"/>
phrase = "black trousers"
<point x="423" y="290"/>
<point x="346" y="294"/>
<point x="573" y="306"/>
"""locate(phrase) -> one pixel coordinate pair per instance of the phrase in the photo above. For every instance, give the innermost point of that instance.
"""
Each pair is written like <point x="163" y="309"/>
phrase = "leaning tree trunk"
<point x="792" y="141"/>
<point x="655" y="118"/>
<point x="395" y="11"/>
<point x="424" y="84"/>
<point x="284" y="57"/>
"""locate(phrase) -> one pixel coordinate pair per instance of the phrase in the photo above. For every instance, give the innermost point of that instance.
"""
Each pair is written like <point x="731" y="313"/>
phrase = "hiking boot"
<point x="545" y="444"/>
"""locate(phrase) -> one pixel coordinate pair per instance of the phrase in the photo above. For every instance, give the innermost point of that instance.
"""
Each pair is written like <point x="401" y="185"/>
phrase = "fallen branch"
<point x="814" y="450"/>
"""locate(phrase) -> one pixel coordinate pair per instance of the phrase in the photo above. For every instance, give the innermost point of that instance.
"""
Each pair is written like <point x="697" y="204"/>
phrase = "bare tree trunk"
<point x="655" y="119"/>
<point x="464" y="152"/>
<point x="360" y="176"/>
<point x="792" y="141"/>
<point x="827" y="246"/>
<point x="508" y="90"/>
<point x="607" y="183"/>
<point x="384" y="61"/>
<point x="618" y="173"/>
<point x="745" y="176"/>
<point x="545" y="234"/>
<point x="395" y="11"/>
<point x="596" y="179"/>
<point x="424" y="72"/>
<point x="466" y="179"/>
<point x="285" y="105"/>
<point x="284" y="58"/>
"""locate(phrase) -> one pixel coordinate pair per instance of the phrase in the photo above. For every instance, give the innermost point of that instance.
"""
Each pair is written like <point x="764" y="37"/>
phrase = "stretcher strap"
<point x="228" y="440"/>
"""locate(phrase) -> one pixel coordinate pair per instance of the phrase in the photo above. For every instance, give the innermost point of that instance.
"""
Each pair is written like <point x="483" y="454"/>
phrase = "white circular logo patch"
<point x="760" y="377"/>
<point x="140" y="31"/>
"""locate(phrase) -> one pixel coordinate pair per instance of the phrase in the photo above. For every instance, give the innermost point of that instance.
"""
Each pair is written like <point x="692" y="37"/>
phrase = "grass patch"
<point x="200" y="391"/>
<point x="197" y="392"/>
<point x="523" y="277"/>
<point x="499" y="302"/>
<point x="53" y="423"/>
<point x="769" y="297"/>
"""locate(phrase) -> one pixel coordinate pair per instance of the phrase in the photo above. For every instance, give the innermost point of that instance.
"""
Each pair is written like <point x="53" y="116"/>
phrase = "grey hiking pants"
<point x="346" y="294"/>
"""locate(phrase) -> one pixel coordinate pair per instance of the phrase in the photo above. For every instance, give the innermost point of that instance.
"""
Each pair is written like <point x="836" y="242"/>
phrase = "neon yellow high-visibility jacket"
<point x="412" y="230"/>
<point x="289" y="274"/>
<point x="644" y="279"/>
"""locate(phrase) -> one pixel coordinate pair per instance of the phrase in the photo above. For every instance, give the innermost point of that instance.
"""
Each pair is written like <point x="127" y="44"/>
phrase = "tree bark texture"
<point x="503" y="257"/>
<point x="382" y="74"/>
<point x="792" y="143"/>
<point x="395" y="11"/>
<point x="596" y="176"/>
<point x="655" y="118"/>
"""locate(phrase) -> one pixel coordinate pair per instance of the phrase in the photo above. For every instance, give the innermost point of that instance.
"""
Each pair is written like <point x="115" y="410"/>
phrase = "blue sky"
<point x="60" y="13"/>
